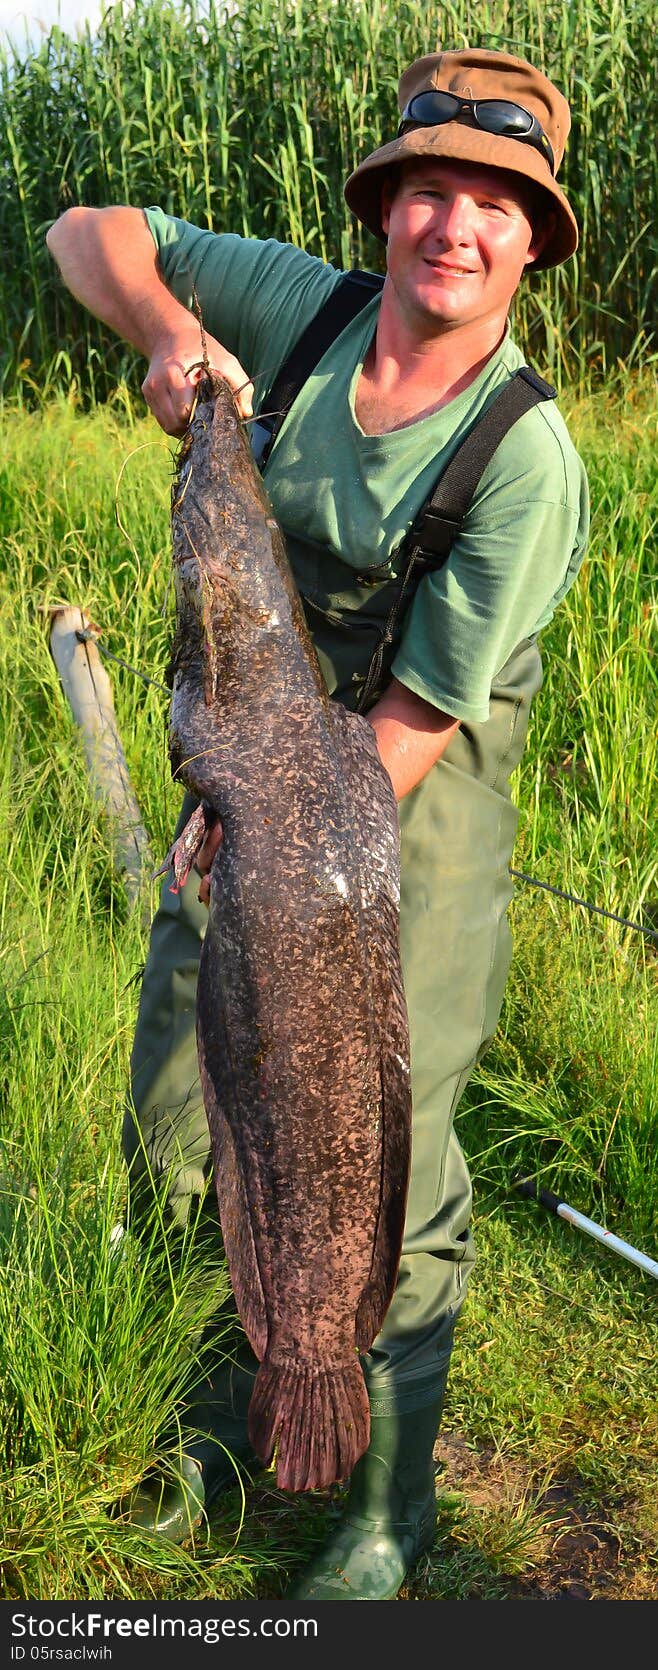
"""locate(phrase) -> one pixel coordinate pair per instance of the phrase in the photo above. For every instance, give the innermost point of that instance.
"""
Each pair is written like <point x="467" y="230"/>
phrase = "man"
<point x="466" y="200"/>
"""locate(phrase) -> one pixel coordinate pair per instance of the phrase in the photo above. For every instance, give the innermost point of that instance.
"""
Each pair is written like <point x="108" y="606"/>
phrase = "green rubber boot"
<point x="390" y="1517"/>
<point x="214" y="1456"/>
<point x="171" y="1504"/>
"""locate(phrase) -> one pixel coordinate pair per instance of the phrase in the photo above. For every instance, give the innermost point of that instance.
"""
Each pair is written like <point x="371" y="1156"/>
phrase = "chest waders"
<point x="457" y="833"/>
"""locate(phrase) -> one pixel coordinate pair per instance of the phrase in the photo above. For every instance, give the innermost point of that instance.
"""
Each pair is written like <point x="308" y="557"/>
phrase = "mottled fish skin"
<point x="301" y="1019"/>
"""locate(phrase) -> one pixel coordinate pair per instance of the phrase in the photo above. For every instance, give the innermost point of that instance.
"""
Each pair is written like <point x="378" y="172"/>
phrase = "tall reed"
<point x="249" y="116"/>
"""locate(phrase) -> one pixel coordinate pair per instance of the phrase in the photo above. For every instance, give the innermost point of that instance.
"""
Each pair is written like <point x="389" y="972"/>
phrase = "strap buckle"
<point x="435" y="533"/>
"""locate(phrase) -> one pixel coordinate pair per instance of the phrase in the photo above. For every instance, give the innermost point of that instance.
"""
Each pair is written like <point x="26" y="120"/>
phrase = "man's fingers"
<point x="210" y="848"/>
<point x="204" y="860"/>
<point x="176" y="368"/>
<point x="226" y="366"/>
<point x="242" y="389"/>
<point x="170" y="396"/>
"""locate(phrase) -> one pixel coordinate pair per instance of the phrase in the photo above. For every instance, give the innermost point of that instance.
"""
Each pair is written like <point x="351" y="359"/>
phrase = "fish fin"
<point x="317" y="1420"/>
<point x="181" y="856"/>
<point x="396" y="1155"/>
<point x="234" y="1215"/>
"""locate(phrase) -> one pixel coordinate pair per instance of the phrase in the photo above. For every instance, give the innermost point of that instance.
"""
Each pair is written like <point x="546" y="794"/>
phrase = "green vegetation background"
<point x="551" y="1419"/>
<point x="249" y="118"/>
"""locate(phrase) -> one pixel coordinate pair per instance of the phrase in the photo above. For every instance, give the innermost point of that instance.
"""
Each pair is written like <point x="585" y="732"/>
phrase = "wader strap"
<point x="442" y="515"/>
<point x="428" y="543"/>
<point x="341" y="307"/>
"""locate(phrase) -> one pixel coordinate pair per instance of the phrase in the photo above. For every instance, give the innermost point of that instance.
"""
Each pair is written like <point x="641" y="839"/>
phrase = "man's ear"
<point x="388" y="193"/>
<point x="540" y="237"/>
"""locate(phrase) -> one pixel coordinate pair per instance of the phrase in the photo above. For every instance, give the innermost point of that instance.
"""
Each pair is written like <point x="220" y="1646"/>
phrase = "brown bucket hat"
<point x="478" y="75"/>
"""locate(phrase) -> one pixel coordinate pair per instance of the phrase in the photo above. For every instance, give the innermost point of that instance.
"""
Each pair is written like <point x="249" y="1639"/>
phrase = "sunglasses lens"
<point x="497" y="116"/>
<point x="432" y="108"/>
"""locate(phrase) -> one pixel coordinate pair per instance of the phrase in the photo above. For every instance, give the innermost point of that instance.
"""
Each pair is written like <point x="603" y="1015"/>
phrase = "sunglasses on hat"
<point x="497" y="116"/>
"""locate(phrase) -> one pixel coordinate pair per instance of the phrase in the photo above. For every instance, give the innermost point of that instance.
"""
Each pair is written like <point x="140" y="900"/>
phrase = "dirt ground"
<point x="584" y="1558"/>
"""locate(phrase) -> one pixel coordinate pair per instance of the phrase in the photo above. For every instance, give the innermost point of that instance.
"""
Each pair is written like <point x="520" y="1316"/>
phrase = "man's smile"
<point x="449" y="268"/>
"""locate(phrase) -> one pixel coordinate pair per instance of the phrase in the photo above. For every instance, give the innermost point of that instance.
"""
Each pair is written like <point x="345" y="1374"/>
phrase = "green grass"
<point x="249" y="117"/>
<point x="551" y="1414"/>
<point x="570" y="1086"/>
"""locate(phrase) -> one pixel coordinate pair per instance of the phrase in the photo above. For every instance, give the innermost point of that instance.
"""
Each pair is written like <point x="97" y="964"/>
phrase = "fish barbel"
<point x="301" y="1019"/>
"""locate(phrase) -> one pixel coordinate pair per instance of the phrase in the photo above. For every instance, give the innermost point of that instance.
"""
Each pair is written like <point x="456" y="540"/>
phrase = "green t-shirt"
<point x="335" y="489"/>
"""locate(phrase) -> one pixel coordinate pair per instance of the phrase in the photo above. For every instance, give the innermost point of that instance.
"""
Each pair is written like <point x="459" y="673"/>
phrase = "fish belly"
<point x="303" y="1056"/>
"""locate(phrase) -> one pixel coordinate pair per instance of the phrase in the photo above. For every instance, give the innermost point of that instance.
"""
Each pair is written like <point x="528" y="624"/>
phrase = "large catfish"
<point x="301" y="1019"/>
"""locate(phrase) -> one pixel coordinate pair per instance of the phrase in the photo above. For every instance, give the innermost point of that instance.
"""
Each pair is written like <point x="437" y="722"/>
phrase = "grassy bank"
<point x="550" y="1442"/>
<point x="250" y="117"/>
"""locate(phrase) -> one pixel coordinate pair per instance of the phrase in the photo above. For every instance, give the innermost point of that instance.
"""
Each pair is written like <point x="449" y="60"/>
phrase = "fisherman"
<point x="465" y="199"/>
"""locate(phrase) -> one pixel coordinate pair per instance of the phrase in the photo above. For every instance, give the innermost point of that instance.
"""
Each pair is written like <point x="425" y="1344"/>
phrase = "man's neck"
<point x="408" y="373"/>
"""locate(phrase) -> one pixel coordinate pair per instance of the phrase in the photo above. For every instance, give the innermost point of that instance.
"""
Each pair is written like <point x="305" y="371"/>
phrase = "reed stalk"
<point x="249" y="117"/>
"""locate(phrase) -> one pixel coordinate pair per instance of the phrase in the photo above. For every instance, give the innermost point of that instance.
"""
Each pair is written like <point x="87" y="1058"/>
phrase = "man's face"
<point x="459" y="238"/>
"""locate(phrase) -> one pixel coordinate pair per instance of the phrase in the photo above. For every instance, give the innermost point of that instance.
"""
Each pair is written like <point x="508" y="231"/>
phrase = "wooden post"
<point x="89" y="693"/>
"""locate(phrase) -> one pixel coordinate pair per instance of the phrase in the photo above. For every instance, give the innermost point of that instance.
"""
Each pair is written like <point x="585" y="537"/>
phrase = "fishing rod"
<point x="526" y="1186"/>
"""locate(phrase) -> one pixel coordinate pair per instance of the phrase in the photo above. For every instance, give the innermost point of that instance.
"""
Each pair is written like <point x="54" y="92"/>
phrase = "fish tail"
<point x="317" y="1420"/>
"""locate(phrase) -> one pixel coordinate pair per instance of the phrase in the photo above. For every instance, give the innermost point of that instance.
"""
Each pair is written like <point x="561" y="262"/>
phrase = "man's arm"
<point x="107" y="259"/>
<point x="411" y="735"/>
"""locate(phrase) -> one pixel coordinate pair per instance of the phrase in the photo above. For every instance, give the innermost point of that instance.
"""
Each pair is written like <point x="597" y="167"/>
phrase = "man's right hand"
<point x="175" y="369"/>
<point x="205" y="858"/>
